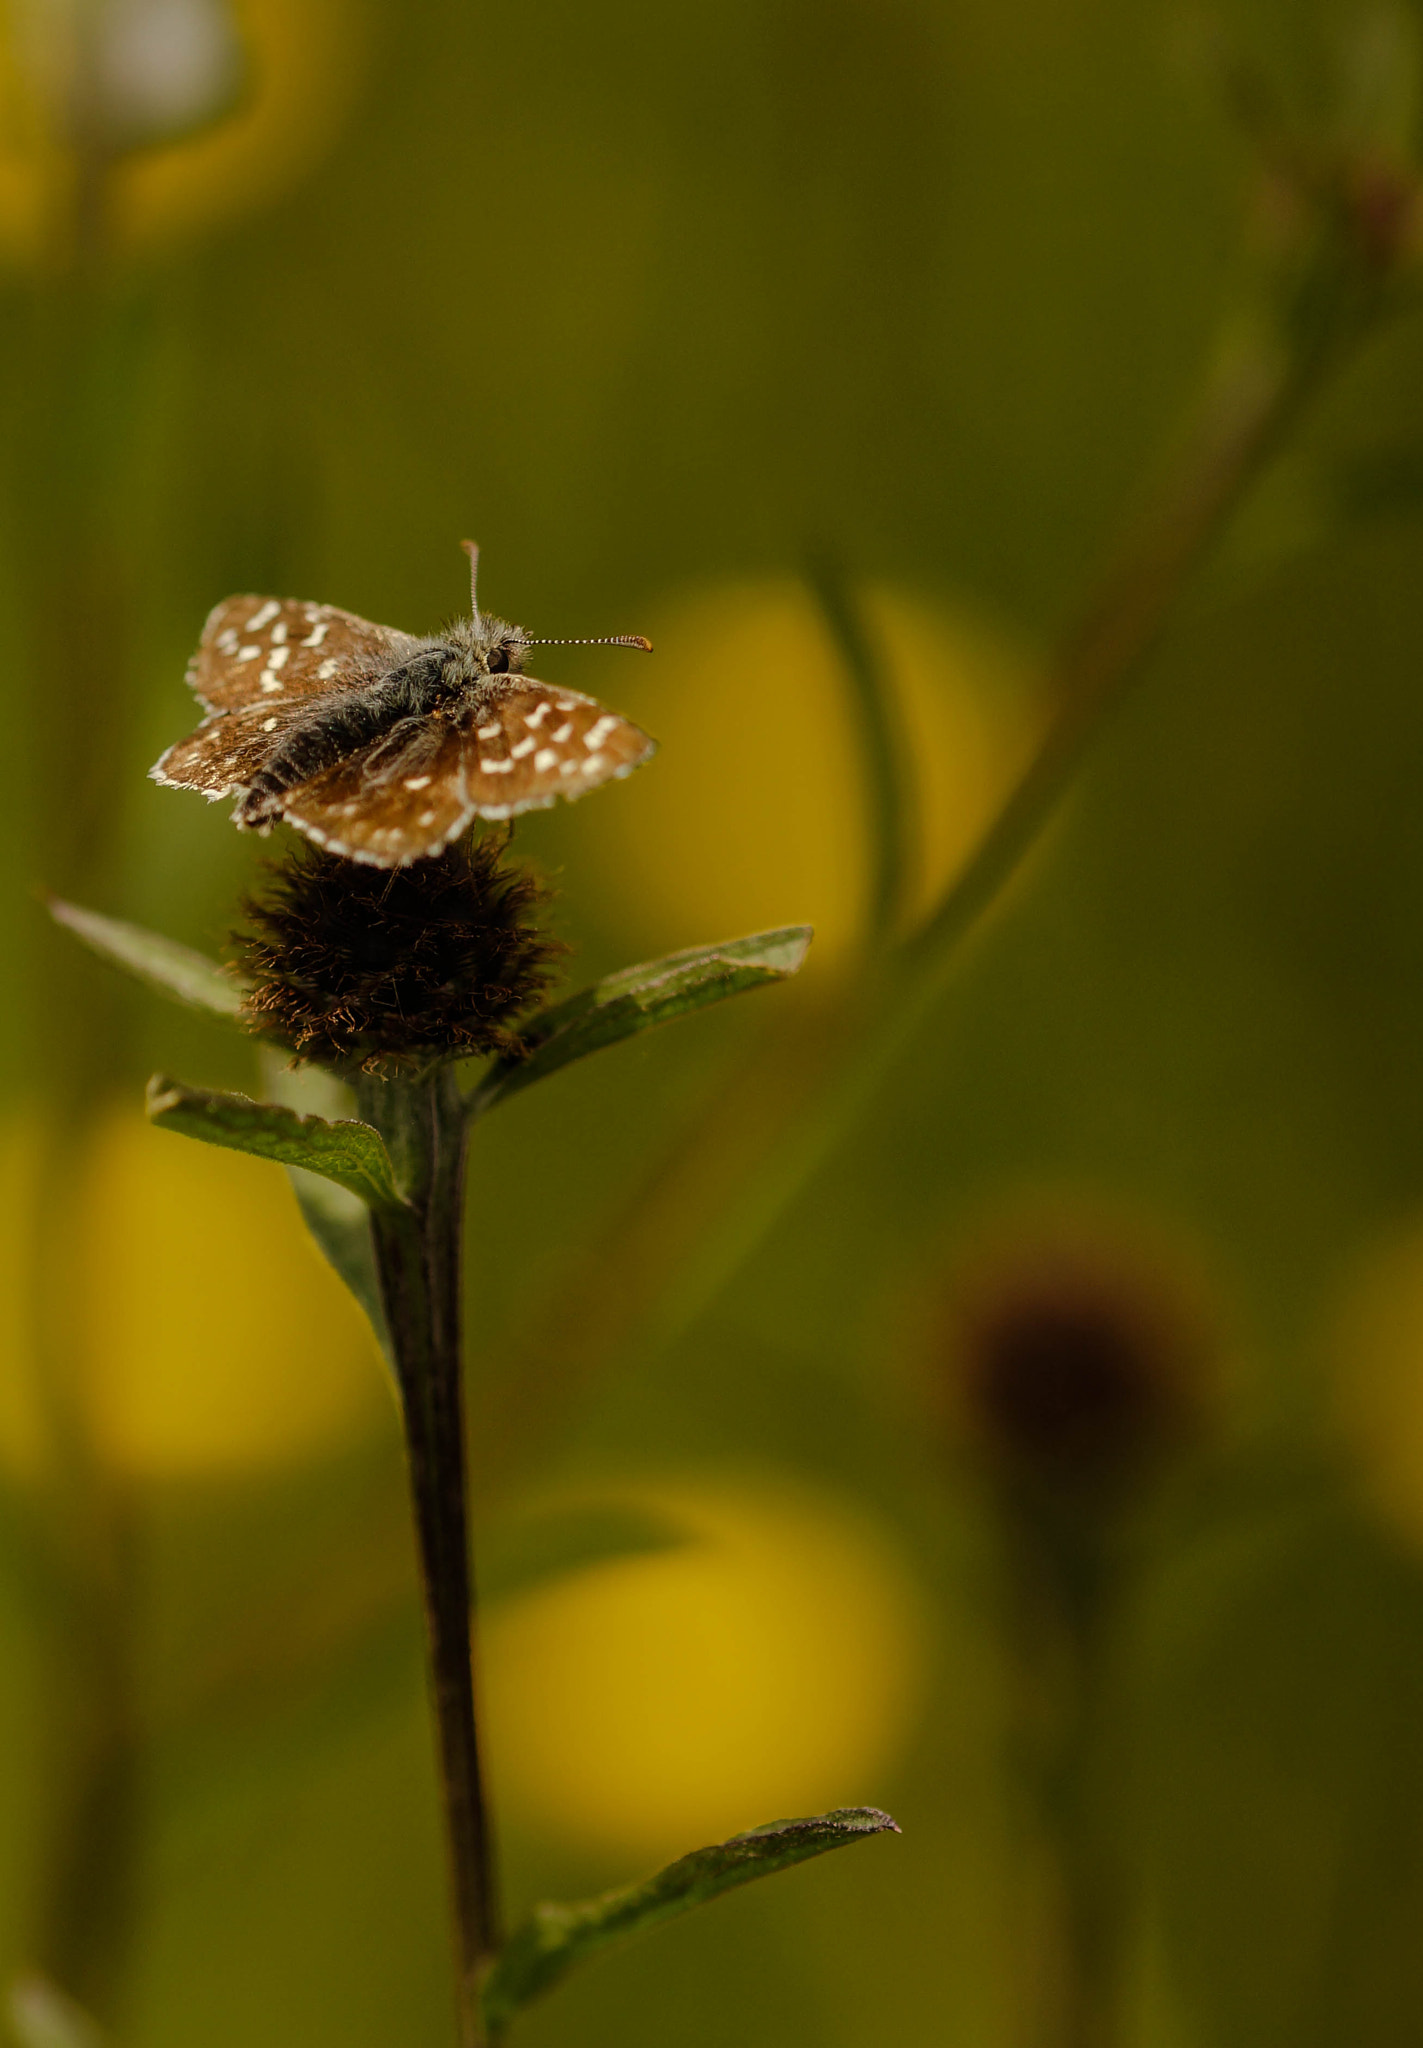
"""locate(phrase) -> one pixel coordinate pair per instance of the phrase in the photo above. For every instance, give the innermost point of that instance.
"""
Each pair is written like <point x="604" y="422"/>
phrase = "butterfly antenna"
<point x="471" y="548"/>
<point x="612" y="640"/>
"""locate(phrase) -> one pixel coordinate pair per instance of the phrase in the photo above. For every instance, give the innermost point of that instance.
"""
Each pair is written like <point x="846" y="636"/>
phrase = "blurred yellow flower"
<point x="22" y="1433"/>
<point x="214" y="1339"/>
<point x="197" y="110"/>
<point x="756" y="804"/>
<point x="1378" y="1391"/>
<point x="771" y="1667"/>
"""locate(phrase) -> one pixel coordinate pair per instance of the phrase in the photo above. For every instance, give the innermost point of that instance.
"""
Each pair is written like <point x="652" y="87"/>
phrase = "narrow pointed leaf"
<point x="338" y="1220"/>
<point x="638" y="998"/>
<point x="555" y="1938"/>
<point x="162" y="963"/>
<point x="350" y="1153"/>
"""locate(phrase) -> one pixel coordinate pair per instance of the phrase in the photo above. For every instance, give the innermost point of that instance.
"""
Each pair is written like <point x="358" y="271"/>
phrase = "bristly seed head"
<point x="1080" y="1361"/>
<point x="358" y="968"/>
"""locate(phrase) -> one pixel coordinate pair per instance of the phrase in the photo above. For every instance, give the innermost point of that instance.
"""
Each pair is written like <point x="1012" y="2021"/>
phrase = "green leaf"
<point x="638" y="998"/>
<point x="349" y="1153"/>
<point x="555" y="1938"/>
<point x="163" y="964"/>
<point x="339" y="1220"/>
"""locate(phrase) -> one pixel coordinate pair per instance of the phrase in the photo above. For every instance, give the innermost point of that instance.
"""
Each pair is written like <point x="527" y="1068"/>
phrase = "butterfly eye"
<point x="499" y="661"/>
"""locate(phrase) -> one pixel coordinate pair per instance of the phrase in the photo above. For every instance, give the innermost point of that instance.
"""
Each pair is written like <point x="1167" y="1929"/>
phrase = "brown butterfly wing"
<point x="225" y="752"/>
<point x="398" y="800"/>
<point x="534" y="743"/>
<point x="257" y="650"/>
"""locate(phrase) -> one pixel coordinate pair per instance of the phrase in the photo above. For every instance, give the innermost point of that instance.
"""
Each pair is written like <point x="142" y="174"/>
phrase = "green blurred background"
<point x="658" y="303"/>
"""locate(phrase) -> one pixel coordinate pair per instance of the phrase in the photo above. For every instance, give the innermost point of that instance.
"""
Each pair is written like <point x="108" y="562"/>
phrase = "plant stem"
<point x="1065" y="1587"/>
<point x="418" y="1258"/>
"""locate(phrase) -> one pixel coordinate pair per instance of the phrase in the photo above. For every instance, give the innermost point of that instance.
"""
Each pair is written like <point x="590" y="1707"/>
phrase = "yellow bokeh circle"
<point x="214" y="1336"/>
<point x="22" y="1427"/>
<point x="1378" y="1388"/>
<point x="756" y="805"/>
<point x="770" y="1666"/>
<point x="210" y="1337"/>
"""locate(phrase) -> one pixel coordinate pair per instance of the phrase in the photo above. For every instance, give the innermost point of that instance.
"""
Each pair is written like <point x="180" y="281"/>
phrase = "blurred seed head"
<point x="366" y="968"/>
<point x="1383" y="205"/>
<point x="1074" y="1361"/>
<point x="1333" y="114"/>
<point x="136" y="124"/>
<point x="126" y="72"/>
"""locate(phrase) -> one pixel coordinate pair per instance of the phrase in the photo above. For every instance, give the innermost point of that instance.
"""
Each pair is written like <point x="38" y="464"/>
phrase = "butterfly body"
<point x="380" y="745"/>
<point x="448" y="679"/>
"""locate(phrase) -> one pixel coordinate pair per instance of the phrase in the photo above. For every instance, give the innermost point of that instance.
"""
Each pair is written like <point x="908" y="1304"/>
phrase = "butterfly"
<point x="381" y="746"/>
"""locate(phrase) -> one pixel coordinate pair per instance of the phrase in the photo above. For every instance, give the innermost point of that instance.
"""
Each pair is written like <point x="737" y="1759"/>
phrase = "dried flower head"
<point x="359" y="967"/>
<point x="1077" y="1364"/>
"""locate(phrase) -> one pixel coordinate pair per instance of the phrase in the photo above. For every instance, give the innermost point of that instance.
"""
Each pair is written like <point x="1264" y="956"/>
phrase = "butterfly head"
<point x="487" y="646"/>
<point x="497" y="648"/>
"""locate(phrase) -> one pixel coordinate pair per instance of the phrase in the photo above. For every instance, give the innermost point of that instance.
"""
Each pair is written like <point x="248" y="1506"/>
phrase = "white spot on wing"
<point x="269" y="682"/>
<point x="536" y="718"/>
<point x="248" y="653"/>
<point x="317" y="634"/>
<point x="545" y="759"/>
<point x="418" y="781"/>
<point x="488" y="732"/>
<point x="598" y="732"/>
<point x="279" y="633"/>
<point x="524" y="747"/>
<point x="328" y="669"/>
<point x="497" y="767"/>
<point x="269" y="724"/>
<point x="563" y="735"/>
<point x="269" y="611"/>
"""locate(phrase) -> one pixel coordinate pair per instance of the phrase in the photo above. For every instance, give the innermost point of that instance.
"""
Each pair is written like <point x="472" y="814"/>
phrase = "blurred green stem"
<point x="1064" y="1584"/>
<point x="889" y="788"/>
<point x="418" y="1258"/>
<point x="1249" y="410"/>
<point x="1252" y="403"/>
<point x="1319" y="307"/>
<point x="71" y="419"/>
